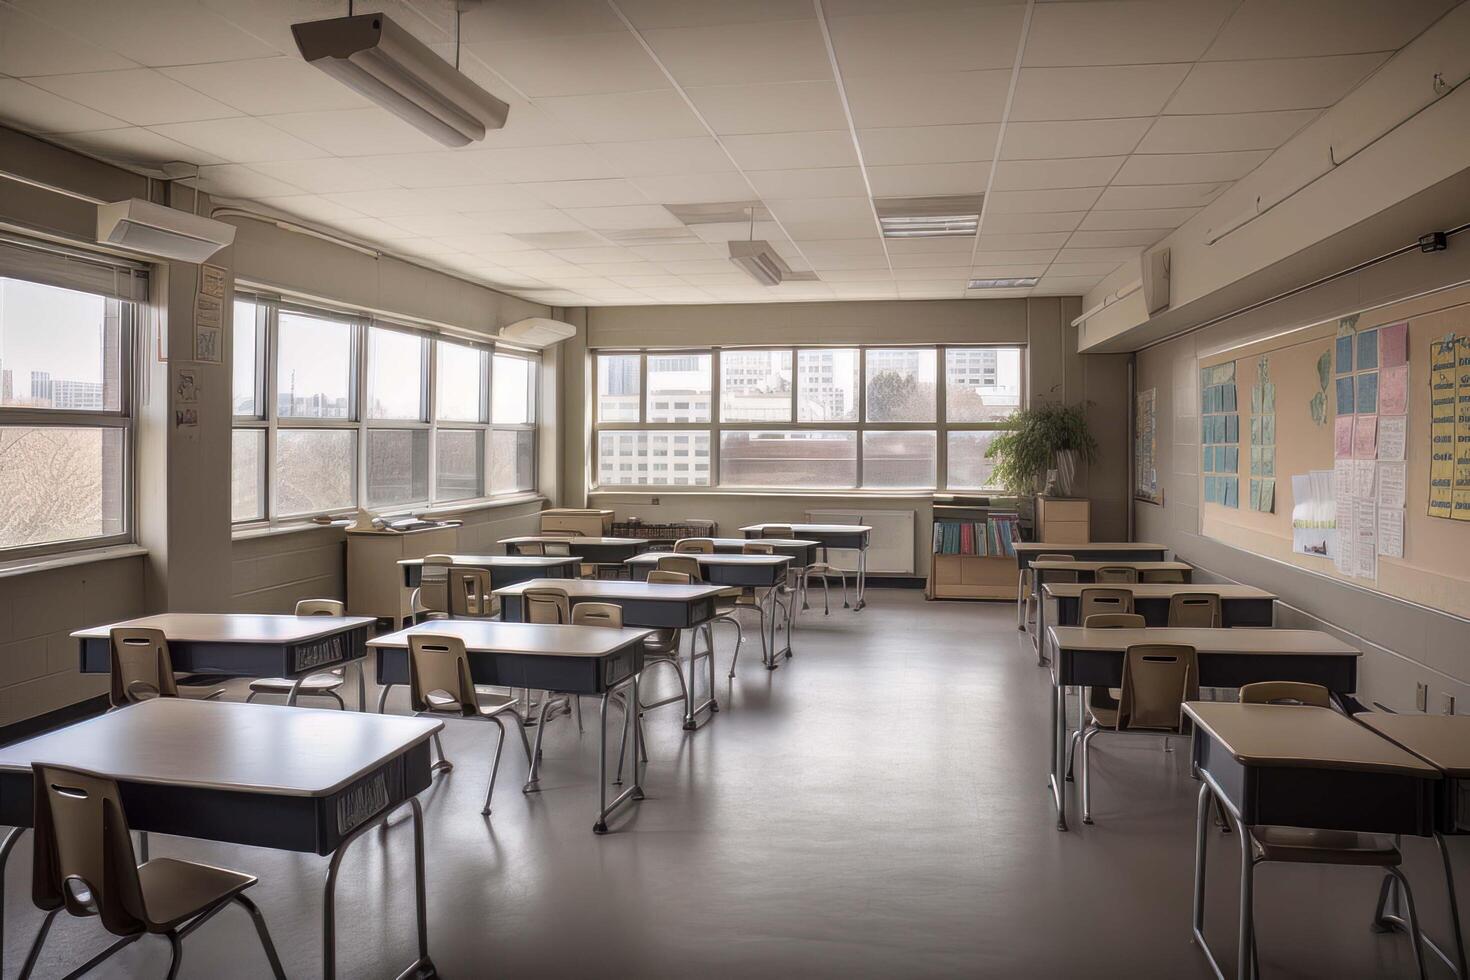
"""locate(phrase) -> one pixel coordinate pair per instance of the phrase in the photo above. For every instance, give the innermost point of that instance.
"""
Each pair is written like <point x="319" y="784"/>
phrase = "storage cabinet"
<point x="973" y="557"/>
<point x="588" y="523"/>
<point x="374" y="580"/>
<point x="1063" y="520"/>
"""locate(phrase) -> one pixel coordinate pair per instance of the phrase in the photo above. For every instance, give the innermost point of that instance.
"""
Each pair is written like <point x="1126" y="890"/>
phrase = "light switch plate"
<point x="1421" y="697"/>
<point x="1447" y="704"/>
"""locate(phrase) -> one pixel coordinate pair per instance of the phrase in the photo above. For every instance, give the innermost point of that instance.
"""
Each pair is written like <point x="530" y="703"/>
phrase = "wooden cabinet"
<point x="374" y="580"/>
<point x="972" y="555"/>
<point x="1063" y="520"/>
<point x="588" y="523"/>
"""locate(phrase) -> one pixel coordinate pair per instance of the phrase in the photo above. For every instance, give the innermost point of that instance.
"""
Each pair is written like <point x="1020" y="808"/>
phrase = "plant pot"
<point x="1066" y="472"/>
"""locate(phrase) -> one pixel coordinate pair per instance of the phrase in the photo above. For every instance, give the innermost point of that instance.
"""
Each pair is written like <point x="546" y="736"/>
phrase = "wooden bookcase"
<point x="970" y="576"/>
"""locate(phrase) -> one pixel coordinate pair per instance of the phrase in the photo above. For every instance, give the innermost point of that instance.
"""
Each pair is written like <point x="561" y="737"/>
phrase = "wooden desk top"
<point x="1040" y="547"/>
<point x="235" y="627"/>
<point x="811" y="528"/>
<point x="1300" y="643"/>
<point x="572" y="539"/>
<point x="528" y="638"/>
<point x="652" y="558"/>
<point x="1443" y="741"/>
<point x="1092" y="566"/>
<point x="1298" y="736"/>
<point x="229" y="745"/>
<point x="591" y="588"/>
<point x="501" y="561"/>
<point x="738" y="543"/>
<point x="1157" y="590"/>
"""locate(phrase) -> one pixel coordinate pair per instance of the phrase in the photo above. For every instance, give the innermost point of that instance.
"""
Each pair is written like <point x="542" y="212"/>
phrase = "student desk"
<point x="854" y="536"/>
<point x="1240" y="605"/>
<point x="293" y="779"/>
<point x="503" y="569"/>
<point x="680" y="607"/>
<point x="577" y="660"/>
<point x="1111" y="552"/>
<point x="1443" y="741"/>
<point x="1227" y="658"/>
<point x="1298" y="766"/>
<point x="801" y="551"/>
<point x="735" y="571"/>
<point x="1086" y="571"/>
<point x="245" y="645"/>
<point x="593" y="550"/>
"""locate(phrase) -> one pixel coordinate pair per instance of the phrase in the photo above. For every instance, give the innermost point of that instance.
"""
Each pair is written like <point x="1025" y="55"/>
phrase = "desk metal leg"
<point x="1059" y="742"/>
<point x="862" y="579"/>
<point x="1388" y="898"/>
<point x="5" y="849"/>
<point x="634" y="792"/>
<point x="691" y="708"/>
<point x="421" y="967"/>
<point x="383" y="697"/>
<point x="362" y="685"/>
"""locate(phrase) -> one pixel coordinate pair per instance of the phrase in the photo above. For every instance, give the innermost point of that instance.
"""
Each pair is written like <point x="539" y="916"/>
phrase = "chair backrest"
<point x="1157" y="679"/>
<point x="83" y="855"/>
<point x="528" y="548"/>
<point x="694" y="546"/>
<point x="1286" y="692"/>
<point x="1116" y="573"/>
<point x="558" y="549"/>
<point x="681" y="563"/>
<point x="1058" y="576"/>
<point x="434" y="583"/>
<point x="1114" y="621"/>
<point x="1195" y="609"/>
<point x="561" y="532"/>
<point x="141" y="666"/>
<point x="547" y="606"/>
<point x="757" y="548"/>
<point x="1094" y="601"/>
<point x="778" y="531"/>
<point x="439" y="675"/>
<point x="321" y="607"/>
<point x="1164" y="576"/>
<point x="469" y="592"/>
<point x="666" y="577"/>
<point x="597" y="614"/>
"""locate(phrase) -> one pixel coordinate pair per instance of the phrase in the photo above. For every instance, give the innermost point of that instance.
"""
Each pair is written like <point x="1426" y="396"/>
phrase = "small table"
<point x="577" y="660"/>
<point x="245" y="645"/>
<point x="1443" y="741"/>
<point x="735" y="571"/>
<point x="828" y="536"/>
<point x="593" y="550"/>
<point x="503" y="569"/>
<point x="1240" y="605"/>
<point x="1107" y="551"/>
<point x="1227" y="658"/>
<point x="293" y="779"/>
<point x="801" y="551"/>
<point x="1298" y="766"/>
<point x="680" y="607"/>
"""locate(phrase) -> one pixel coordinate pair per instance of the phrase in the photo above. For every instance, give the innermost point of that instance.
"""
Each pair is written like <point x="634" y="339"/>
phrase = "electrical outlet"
<point x="1447" y="704"/>
<point x="1421" y="697"/>
<point x="653" y="501"/>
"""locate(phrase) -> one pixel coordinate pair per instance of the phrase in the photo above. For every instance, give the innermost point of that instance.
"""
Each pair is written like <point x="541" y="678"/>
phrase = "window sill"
<point x="446" y="510"/>
<point x="752" y="492"/>
<point x="27" y="566"/>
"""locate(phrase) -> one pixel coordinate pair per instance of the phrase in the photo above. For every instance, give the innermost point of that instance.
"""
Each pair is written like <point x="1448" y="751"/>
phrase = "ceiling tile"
<point x="631" y="216"/>
<point x="1277" y="29"/>
<point x="1081" y="269"/>
<point x="525" y="19"/>
<point x="545" y="221"/>
<point x="572" y="64"/>
<point x="882" y="274"/>
<point x="1008" y="271"/>
<point x="626" y="116"/>
<point x="396" y="202"/>
<point x="243" y="139"/>
<point x="1124" y="220"/>
<point x="587" y="193"/>
<point x="903" y="274"/>
<point x="1031" y="175"/>
<point x="1261" y="86"/>
<point x="1122" y="32"/>
<point x="720" y="232"/>
<point x="923" y="180"/>
<point x="1070" y="255"/>
<point x="928" y="144"/>
<point x="694" y="188"/>
<point x="653" y="14"/>
<point x="792" y="151"/>
<point x="261" y="86"/>
<point x="238" y="181"/>
<point x="325" y="175"/>
<point x="603" y="254"/>
<point x="645" y="282"/>
<point x="1022" y="242"/>
<point x="778" y="107"/>
<point x="1023" y="223"/>
<point x="935" y="99"/>
<point x="354" y="132"/>
<point x="1014" y="202"/>
<point x="1186" y="168"/>
<point x="988" y="257"/>
<point x="39" y="111"/>
<point x="825" y="182"/>
<point x="1065" y="285"/>
<point x="737" y="54"/>
<point x="1110" y="239"/>
<point x="1159" y="196"/>
<point x="944" y="246"/>
<point x="660" y="158"/>
<point x="1094" y="93"/>
<point x="1064" y="138"/>
<point x="694" y="267"/>
<point x="30" y="46"/>
<point x="851" y="263"/>
<point x="907" y="40"/>
<point x="1224" y="131"/>
<point x="683" y="252"/>
<point x="153" y="32"/>
<point x="139" y="96"/>
<point x="134" y="145"/>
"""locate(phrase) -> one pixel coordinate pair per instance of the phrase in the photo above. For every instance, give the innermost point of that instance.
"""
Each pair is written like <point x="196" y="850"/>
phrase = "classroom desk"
<point x="736" y="570"/>
<point x="293" y="779"/>
<point x="593" y="550"/>
<point x="576" y="660"/>
<point x="1443" y="741"/>
<point x="503" y="569"/>
<point x="1240" y="605"/>
<point x="801" y="551"/>
<point x="1086" y="571"/>
<point x="1227" y="658"/>
<point x="1111" y="552"/>
<point x="1298" y="766"/>
<point x="245" y="645"/>
<point x="854" y="536"/>
<point x="680" y="607"/>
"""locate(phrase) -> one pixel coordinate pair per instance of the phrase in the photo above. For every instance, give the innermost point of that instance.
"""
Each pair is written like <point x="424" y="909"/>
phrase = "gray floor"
<point x="876" y="808"/>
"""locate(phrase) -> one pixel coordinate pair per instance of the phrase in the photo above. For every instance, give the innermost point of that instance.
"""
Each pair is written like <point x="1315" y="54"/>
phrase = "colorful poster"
<point x="1145" y="449"/>
<point x="1461" y="488"/>
<point x="1393" y="345"/>
<point x="1220" y="433"/>
<point x="1393" y="390"/>
<point x="1442" y="390"/>
<point x="1342" y="437"/>
<point x="1365" y="437"/>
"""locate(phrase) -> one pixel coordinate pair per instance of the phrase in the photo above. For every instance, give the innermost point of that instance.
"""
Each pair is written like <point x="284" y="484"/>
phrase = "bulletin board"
<point x="1291" y="393"/>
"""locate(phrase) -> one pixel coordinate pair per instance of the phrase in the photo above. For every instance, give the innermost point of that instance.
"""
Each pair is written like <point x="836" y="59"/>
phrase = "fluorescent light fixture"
<point x="1020" y="282"/>
<point x="760" y="261"/>
<point x="385" y="63"/>
<point x="940" y="226"/>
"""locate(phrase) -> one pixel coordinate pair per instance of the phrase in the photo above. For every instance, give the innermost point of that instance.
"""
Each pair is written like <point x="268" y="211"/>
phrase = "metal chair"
<point x="1200" y="610"/>
<point x="326" y="684"/>
<point x="1121" y="574"/>
<point x="726" y="602"/>
<point x="470" y="594"/>
<point x="1286" y="692"/>
<point x="439" y="682"/>
<point x="750" y="598"/>
<point x="142" y="668"/>
<point x="1157" y="679"/>
<point x="821" y="569"/>
<point x="694" y="546"/>
<point x="1024" y="590"/>
<point x="661" y="647"/>
<point x="431" y="599"/>
<point x="84" y="865"/>
<point x="1106" y="698"/>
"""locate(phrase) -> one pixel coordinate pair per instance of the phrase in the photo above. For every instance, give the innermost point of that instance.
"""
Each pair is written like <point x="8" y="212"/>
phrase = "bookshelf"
<point x="972" y="554"/>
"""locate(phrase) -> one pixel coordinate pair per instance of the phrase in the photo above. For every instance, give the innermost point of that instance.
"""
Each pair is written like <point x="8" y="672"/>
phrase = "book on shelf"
<point x="993" y="537"/>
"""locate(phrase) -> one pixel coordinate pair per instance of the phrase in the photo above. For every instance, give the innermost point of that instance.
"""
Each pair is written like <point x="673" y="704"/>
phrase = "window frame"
<point x="717" y="426"/>
<point x="131" y="314"/>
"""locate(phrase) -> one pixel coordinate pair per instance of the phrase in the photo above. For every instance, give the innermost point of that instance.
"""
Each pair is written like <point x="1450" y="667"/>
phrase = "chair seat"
<point x="175" y="891"/>
<point x="314" y="684"/>
<point x="1298" y="845"/>
<point x="734" y="592"/>
<point x="1105" y="717"/>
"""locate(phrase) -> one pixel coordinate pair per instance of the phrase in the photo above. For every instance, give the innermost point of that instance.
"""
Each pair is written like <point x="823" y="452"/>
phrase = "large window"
<point x="803" y="418"/>
<point x="335" y="411"/>
<point x="66" y="335"/>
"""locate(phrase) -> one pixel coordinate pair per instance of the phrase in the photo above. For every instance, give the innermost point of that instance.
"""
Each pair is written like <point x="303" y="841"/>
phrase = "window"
<point x="849" y="418"/>
<point x="67" y="323"/>
<point x="412" y="436"/>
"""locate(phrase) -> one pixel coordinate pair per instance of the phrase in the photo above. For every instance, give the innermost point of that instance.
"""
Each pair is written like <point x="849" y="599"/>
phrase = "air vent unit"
<point x="154" y="229"/>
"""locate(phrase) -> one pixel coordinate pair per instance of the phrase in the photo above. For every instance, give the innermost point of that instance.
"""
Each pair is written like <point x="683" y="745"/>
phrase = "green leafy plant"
<point x="1024" y="453"/>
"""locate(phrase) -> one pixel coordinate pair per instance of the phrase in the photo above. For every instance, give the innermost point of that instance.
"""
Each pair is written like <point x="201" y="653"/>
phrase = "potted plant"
<point x="1047" y="437"/>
